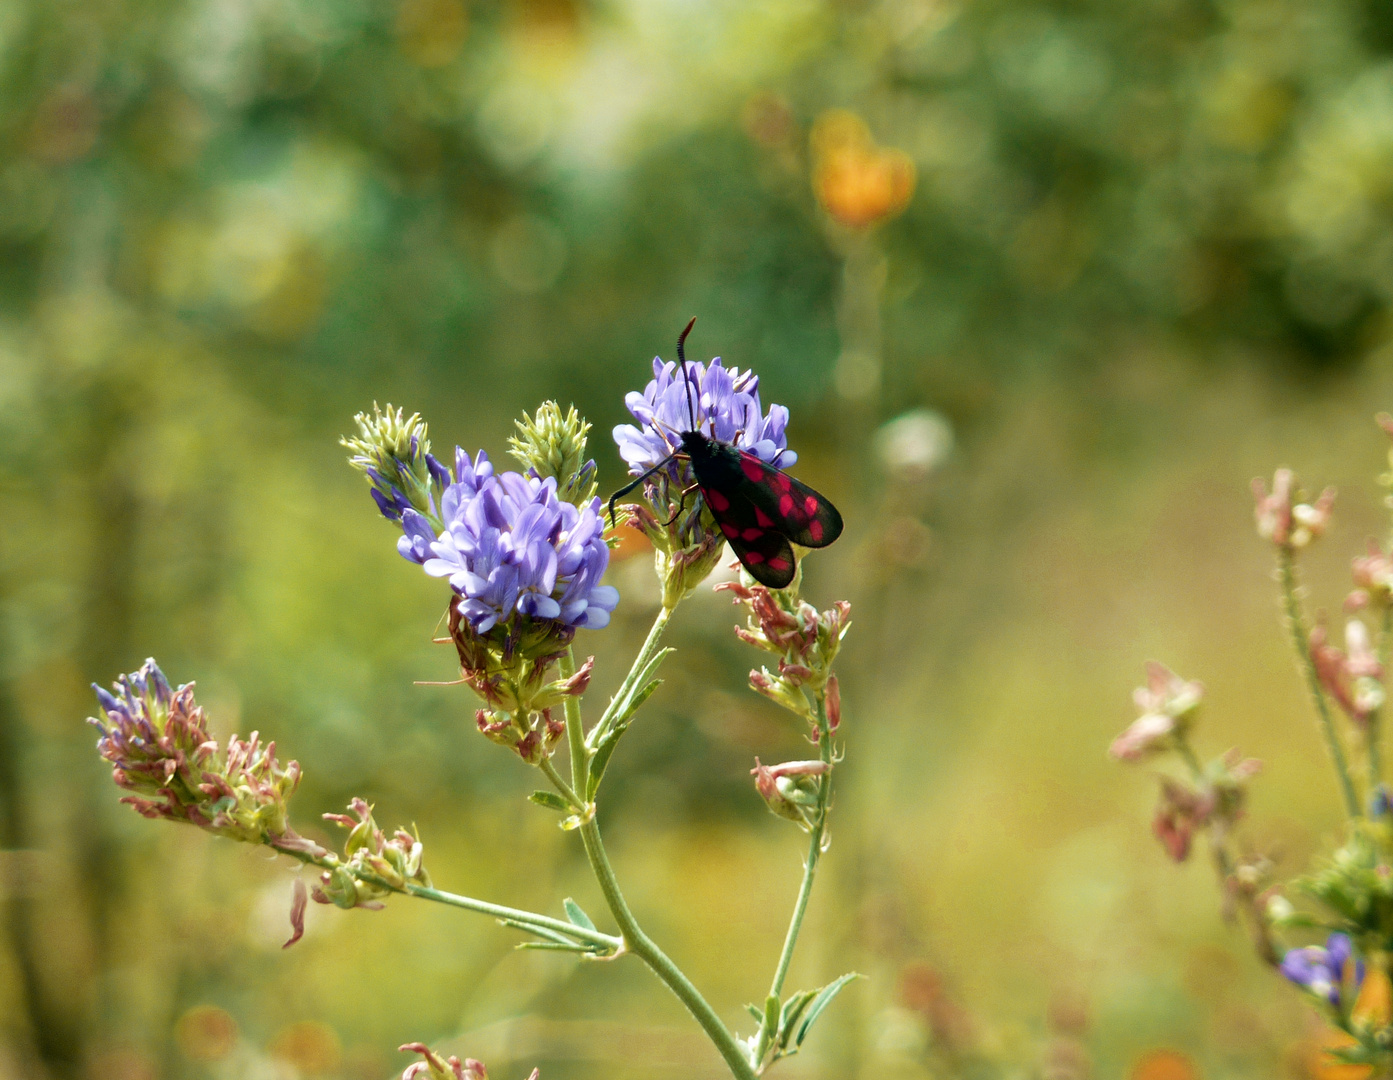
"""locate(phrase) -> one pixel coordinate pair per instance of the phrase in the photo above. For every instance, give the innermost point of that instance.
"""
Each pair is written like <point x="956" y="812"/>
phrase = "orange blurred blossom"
<point x="857" y="182"/>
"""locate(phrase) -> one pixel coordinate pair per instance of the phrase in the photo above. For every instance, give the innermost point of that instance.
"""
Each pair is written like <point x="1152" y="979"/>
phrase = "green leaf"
<point x="754" y="1010"/>
<point x="539" y="931"/>
<point x="555" y="946"/>
<point x="824" y="998"/>
<point x="793" y="1009"/>
<point x="574" y="913"/>
<point x="551" y="801"/>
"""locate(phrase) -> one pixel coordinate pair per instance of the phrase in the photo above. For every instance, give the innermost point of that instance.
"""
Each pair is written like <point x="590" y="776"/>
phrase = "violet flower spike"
<point x="727" y="407"/>
<point x="1322" y="971"/>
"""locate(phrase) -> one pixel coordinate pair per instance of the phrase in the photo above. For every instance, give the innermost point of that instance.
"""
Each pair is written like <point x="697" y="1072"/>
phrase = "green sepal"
<point x="792" y="1010"/>
<point x="551" y="801"/>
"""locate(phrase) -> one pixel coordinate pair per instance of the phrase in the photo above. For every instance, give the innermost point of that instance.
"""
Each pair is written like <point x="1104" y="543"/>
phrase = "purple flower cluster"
<point x="727" y="408"/>
<point x="509" y="544"/>
<point x="1322" y="971"/>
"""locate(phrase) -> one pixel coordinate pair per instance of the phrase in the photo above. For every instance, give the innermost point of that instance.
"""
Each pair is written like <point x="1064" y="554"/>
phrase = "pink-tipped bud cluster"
<point x="1283" y="518"/>
<point x="1373" y="579"/>
<point x="512" y="678"/>
<point x="435" y="1067"/>
<point x="158" y="743"/>
<point x="805" y="642"/>
<point x="791" y="790"/>
<point x="1215" y="803"/>
<point x="1352" y="676"/>
<point x="374" y="865"/>
<point x="1167" y="704"/>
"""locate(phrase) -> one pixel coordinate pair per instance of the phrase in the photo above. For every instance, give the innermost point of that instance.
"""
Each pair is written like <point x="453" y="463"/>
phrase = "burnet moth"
<point x="761" y="510"/>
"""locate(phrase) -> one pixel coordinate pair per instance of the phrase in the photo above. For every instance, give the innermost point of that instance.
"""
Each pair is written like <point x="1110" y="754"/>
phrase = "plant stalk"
<point x="1286" y="568"/>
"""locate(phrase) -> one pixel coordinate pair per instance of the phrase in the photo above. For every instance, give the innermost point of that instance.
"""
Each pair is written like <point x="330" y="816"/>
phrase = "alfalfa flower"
<point x="1324" y="971"/>
<point x="1284" y="518"/>
<point x="374" y="865"/>
<point x="157" y="741"/>
<point x="805" y="642"/>
<point x="1167" y="704"/>
<point x="435" y="1067"/>
<point x="1352" y="676"/>
<point x="723" y="404"/>
<point x="550" y="444"/>
<point x="393" y="451"/>
<point x="1373" y="579"/>
<point x="791" y="789"/>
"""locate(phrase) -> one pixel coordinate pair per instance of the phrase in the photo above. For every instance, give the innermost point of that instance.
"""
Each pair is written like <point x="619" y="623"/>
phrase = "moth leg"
<point x="680" y="505"/>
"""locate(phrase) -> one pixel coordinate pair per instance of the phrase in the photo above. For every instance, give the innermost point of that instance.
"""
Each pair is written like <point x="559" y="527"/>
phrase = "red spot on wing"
<point x="729" y="529"/>
<point x="782" y="482"/>
<point x="815" y="530"/>
<point x="752" y="467"/>
<point x="785" y="504"/>
<point x="753" y="558"/>
<point x="763" y="518"/>
<point x="810" y="504"/>
<point x="752" y="534"/>
<point x="718" y="502"/>
<point x="778" y="564"/>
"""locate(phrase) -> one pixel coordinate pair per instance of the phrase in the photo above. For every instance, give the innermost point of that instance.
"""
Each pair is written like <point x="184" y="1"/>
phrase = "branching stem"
<point x="1286" y="569"/>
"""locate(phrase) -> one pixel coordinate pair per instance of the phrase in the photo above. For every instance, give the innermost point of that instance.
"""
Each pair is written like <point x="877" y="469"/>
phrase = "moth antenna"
<point x="686" y="377"/>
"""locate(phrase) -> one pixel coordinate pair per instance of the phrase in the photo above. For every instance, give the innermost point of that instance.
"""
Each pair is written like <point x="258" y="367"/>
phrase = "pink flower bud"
<point x="299" y="897"/>
<point x="834" y="704"/>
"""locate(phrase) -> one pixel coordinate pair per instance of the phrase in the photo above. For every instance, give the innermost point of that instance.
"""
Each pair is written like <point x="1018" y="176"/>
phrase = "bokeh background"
<point x="1114" y="259"/>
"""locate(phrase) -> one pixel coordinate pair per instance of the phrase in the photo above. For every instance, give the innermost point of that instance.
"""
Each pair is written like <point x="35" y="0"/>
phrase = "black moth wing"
<point x="760" y="509"/>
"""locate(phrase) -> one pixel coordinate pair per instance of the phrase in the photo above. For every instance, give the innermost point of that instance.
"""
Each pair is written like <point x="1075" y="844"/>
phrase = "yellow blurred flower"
<point x="1321" y="1066"/>
<point x="206" y="1033"/>
<point x="311" y="1047"/>
<point x="1164" y="1065"/>
<point x="857" y="182"/>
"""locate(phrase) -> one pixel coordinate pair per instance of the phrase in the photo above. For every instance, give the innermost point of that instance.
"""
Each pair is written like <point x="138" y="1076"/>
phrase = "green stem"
<point x="643" y="946"/>
<point x="575" y="736"/>
<point x="567" y="791"/>
<point x="468" y="903"/>
<point x="815" y="836"/>
<point x="635" y="939"/>
<point x="650" y="646"/>
<point x="1374" y="728"/>
<point x="1287" y="572"/>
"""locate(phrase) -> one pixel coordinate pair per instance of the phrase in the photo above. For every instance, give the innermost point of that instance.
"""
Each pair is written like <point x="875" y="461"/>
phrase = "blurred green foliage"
<point x="1149" y="253"/>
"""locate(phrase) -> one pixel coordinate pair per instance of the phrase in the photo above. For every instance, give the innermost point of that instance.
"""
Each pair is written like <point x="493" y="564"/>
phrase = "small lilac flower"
<point x="511" y="545"/>
<point x="725" y="402"/>
<point x="1322" y="971"/>
<point x="157" y="741"/>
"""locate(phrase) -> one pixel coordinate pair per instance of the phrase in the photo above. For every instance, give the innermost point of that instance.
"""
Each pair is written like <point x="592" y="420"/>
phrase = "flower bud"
<point x="392" y="862"/>
<point x="434" y="1067"/>
<point x="393" y="452"/>
<point x="1286" y="521"/>
<point x="790" y="790"/>
<point x="1167" y="704"/>
<point x="550" y="444"/>
<point x="1353" y="676"/>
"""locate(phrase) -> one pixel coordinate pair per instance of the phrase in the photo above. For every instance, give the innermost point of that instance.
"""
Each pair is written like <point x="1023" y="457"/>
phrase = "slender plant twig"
<point x="1374" y="728"/>
<point x="567" y="790"/>
<point x="635" y="939"/>
<point x="645" y="654"/>
<point x="468" y="903"/>
<point x="815" y="838"/>
<point x="1286" y="569"/>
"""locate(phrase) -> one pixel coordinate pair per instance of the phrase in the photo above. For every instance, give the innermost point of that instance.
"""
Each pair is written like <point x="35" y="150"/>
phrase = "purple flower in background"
<point x="727" y="408"/>
<point x="1322" y="971"/>
<point x="509" y="544"/>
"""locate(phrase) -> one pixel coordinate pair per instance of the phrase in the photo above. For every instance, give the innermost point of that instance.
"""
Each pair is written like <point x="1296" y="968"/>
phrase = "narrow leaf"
<point x="793" y="1009"/>
<point x="574" y="913"/>
<point x="554" y="946"/>
<point x="824" y="998"/>
<point x="754" y="1010"/>
<point x="550" y="800"/>
<point x="539" y="931"/>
